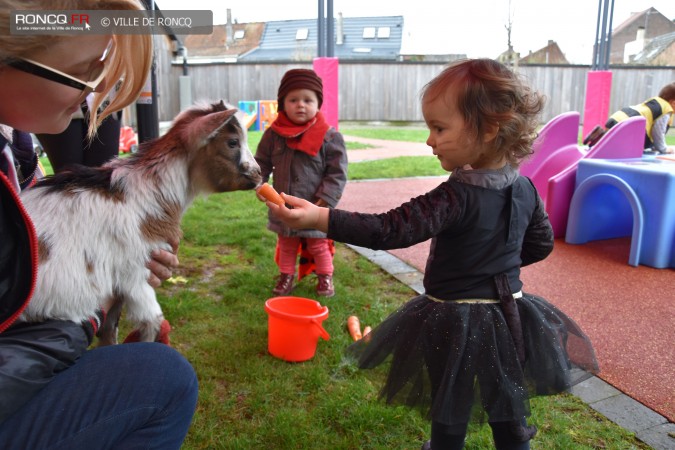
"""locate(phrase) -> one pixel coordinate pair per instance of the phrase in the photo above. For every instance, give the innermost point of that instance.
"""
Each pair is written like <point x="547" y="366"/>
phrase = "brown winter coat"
<point x="297" y="173"/>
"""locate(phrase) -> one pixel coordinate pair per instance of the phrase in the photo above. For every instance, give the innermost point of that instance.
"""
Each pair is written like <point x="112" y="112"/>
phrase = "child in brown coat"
<point x="307" y="158"/>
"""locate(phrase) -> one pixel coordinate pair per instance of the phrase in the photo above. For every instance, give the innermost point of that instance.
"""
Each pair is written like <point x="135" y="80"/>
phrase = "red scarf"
<point x="307" y="138"/>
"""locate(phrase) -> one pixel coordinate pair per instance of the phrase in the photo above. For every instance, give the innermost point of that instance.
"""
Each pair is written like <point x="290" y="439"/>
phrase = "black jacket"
<point x="477" y="233"/>
<point x="30" y="354"/>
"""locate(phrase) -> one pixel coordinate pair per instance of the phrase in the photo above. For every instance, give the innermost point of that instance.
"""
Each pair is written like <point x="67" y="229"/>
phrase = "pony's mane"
<point x="78" y="177"/>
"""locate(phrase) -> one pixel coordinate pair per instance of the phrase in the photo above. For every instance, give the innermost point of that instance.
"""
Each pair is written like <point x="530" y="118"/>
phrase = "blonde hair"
<point x="490" y="96"/>
<point x="130" y="61"/>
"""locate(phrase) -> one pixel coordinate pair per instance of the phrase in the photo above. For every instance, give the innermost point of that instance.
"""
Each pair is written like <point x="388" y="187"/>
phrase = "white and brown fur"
<point x="97" y="227"/>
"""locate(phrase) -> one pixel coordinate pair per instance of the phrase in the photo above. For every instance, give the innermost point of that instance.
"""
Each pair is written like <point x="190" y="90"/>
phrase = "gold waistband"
<point x="516" y="295"/>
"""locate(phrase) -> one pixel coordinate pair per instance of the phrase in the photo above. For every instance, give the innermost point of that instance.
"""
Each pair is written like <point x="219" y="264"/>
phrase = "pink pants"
<point x="317" y="247"/>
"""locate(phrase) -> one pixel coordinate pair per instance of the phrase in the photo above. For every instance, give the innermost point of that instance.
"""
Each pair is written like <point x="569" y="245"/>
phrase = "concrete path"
<point x="385" y="149"/>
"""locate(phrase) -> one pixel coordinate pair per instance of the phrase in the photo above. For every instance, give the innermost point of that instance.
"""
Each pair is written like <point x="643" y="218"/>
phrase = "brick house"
<point x="634" y="35"/>
<point x="551" y="54"/>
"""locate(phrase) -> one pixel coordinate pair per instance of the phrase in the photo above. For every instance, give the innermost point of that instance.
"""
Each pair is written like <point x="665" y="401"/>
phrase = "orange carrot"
<point x="270" y="194"/>
<point x="354" y="327"/>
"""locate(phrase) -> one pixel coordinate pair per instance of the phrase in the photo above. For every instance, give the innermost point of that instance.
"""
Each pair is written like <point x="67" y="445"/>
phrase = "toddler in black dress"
<point x="474" y="344"/>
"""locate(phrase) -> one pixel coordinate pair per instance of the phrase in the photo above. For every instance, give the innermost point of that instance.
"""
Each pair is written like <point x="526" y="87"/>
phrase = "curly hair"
<point x="668" y="92"/>
<point x="492" y="96"/>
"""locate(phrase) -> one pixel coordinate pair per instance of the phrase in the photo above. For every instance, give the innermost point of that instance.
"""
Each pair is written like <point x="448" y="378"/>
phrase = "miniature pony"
<point x="97" y="227"/>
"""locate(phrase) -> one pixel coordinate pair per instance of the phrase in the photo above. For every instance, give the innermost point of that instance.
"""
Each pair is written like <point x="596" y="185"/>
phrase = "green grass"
<point x="401" y="167"/>
<point x="389" y="168"/>
<point x="406" y="134"/>
<point x="420" y="134"/>
<point x="249" y="399"/>
<point x="46" y="165"/>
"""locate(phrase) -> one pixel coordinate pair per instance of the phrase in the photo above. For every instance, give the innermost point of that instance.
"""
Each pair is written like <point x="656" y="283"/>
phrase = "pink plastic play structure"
<point x="559" y="132"/>
<point x="555" y="150"/>
<point x="552" y="168"/>
<point x="625" y="140"/>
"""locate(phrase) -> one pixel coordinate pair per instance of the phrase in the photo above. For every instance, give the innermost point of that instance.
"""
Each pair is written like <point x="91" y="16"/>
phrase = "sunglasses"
<point x="88" y="86"/>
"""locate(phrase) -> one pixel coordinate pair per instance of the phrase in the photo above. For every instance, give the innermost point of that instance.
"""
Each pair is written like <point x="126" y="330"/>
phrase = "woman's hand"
<point x="162" y="263"/>
<point x="303" y="215"/>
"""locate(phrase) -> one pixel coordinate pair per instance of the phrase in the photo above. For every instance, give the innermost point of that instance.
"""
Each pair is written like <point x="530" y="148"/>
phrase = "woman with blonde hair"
<point x="53" y="391"/>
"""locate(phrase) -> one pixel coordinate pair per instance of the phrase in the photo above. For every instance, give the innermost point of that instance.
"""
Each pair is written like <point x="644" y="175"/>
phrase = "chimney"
<point x="339" y="38"/>
<point x="640" y="36"/>
<point x="229" y="34"/>
<point x="631" y="49"/>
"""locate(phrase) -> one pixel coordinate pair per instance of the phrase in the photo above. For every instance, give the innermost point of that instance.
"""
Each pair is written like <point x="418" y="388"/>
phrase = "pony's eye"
<point x="233" y="143"/>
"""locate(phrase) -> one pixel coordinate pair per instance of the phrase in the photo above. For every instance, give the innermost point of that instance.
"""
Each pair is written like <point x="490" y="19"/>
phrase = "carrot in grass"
<point x="354" y="327"/>
<point x="270" y="194"/>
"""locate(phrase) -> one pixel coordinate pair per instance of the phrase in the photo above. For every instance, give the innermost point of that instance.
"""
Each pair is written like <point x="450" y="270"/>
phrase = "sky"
<point x="477" y="28"/>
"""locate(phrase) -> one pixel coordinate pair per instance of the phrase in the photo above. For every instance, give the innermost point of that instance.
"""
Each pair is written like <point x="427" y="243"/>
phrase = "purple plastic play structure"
<point x="626" y="197"/>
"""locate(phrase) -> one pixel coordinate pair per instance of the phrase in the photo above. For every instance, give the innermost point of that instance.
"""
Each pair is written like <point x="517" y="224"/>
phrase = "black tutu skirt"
<point x="457" y="362"/>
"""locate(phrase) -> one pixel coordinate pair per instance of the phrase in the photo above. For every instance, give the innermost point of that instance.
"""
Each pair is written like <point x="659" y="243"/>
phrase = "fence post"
<point x="147" y="112"/>
<point x="327" y="69"/>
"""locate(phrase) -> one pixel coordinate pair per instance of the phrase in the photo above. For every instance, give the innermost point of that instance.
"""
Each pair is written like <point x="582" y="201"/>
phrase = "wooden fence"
<point x="390" y="91"/>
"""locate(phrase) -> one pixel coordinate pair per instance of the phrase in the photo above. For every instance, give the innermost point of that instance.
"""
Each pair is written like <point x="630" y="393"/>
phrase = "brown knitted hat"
<point x="299" y="79"/>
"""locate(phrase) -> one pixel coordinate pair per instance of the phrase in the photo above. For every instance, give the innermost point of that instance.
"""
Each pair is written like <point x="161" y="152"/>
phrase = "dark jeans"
<point x="127" y="396"/>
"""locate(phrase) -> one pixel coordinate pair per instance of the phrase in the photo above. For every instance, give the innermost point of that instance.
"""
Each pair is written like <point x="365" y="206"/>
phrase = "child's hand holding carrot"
<point x="268" y="193"/>
<point x="304" y="214"/>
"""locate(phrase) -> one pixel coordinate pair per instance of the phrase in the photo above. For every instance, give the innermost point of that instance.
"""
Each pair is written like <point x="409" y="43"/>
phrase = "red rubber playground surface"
<point x="628" y="312"/>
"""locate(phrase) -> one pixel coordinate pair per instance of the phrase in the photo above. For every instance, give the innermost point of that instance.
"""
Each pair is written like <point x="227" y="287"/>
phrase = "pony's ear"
<point x="204" y="128"/>
<point x="216" y="121"/>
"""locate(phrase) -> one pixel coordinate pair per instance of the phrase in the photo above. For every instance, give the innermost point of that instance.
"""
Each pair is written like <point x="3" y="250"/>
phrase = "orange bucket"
<point x="294" y="327"/>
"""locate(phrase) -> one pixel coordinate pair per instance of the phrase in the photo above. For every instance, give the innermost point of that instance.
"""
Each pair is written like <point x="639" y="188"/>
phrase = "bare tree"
<point x="511" y="56"/>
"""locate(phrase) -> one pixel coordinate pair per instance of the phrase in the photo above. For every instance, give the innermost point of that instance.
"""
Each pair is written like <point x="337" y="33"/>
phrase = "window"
<point x="369" y="33"/>
<point x="302" y="34"/>
<point x="239" y="34"/>
<point x="383" y="32"/>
